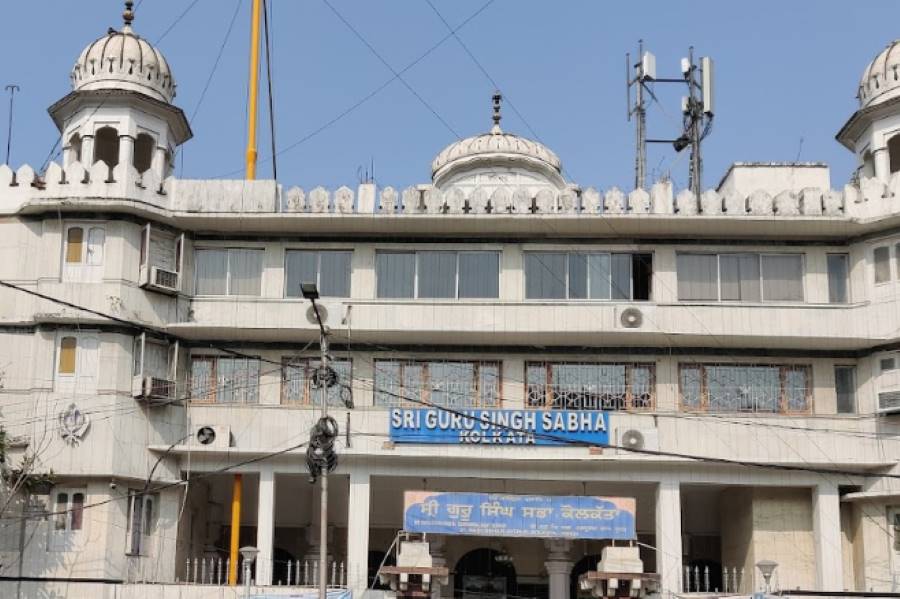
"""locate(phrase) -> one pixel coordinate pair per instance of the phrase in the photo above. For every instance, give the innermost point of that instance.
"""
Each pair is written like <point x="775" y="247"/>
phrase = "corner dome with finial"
<point x="494" y="149"/>
<point x="881" y="79"/>
<point x="124" y="60"/>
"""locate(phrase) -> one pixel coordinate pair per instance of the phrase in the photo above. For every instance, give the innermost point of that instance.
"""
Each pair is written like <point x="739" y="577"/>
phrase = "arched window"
<point x="893" y="147"/>
<point x="143" y="152"/>
<point x="75" y="147"/>
<point x="106" y="146"/>
<point x="867" y="169"/>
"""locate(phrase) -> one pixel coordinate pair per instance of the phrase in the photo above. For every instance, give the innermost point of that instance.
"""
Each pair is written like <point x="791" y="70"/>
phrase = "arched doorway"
<point x="106" y="146"/>
<point x="585" y="564"/>
<point x="893" y="148"/>
<point x="479" y="575"/>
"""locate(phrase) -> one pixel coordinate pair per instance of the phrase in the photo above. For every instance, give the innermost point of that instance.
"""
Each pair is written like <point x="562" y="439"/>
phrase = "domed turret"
<point x="496" y="158"/>
<point x="120" y="108"/>
<point x="124" y="60"/>
<point x="881" y="79"/>
<point x="871" y="133"/>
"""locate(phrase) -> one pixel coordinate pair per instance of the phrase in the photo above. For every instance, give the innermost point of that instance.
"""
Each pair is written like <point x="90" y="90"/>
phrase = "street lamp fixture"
<point x="309" y="290"/>
<point x="767" y="568"/>
<point x="249" y="555"/>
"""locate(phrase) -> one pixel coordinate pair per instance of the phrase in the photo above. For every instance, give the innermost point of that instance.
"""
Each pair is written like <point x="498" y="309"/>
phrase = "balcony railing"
<point x="446" y="395"/>
<point x="214" y="571"/>
<point x="588" y="397"/>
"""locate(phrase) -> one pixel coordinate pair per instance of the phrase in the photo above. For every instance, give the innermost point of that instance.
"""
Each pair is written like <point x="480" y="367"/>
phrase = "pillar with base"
<point x="358" y="532"/>
<point x="265" y="526"/>
<point x="827" y="537"/>
<point x="668" y="537"/>
<point x="559" y="567"/>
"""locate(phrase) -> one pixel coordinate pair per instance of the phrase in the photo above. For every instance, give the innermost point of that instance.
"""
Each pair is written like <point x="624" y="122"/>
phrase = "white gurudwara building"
<point x="719" y="375"/>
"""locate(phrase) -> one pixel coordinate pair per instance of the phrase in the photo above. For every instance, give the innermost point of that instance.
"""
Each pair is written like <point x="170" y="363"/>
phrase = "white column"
<point x="158" y="162"/>
<point x="882" y="164"/>
<point x="827" y="536"/>
<point x="358" y="532"/>
<point x="265" y="526"/>
<point x="559" y="567"/>
<point x="87" y="151"/>
<point x="668" y="537"/>
<point x="126" y="151"/>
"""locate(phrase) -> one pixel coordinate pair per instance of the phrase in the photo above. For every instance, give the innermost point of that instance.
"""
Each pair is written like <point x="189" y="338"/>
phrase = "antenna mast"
<point x="696" y="108"/>
<point x="644" y="70"/>
<point x="12" y="89"/>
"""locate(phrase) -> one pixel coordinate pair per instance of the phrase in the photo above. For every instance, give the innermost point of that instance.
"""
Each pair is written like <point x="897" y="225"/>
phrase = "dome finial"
<point x="128" y="15"/>
<point x="497" y="98"/>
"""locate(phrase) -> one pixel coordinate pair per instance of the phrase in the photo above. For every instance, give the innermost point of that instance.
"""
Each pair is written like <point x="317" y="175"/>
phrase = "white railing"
<point x="699" y="580"/>
<point x="214" y="571"/>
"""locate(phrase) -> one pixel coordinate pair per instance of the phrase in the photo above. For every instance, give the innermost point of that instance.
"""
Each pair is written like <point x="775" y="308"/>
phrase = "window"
<point x="838" y="278"/>
<point x="69" y="510"/>
<point x="74" y="245"/>
<point x="449" y="384"/>
<point x="745" y="388"/>
<point x="438" y="274"/>
<point x="141" y="521"/>
<point x="232" y="271"/>
<point x="697" y="277"/>
<point x="589" y="386"/>
<point x="845" y="388"/>
<point x="745" y="277"/>
<point x="297" y="386"/>
<point x="77" y="363"/>
<point x="144" y="145"/>
<point x="84" y="247"/>
<point x="221" y="379"/>
<point x="75" y="147"/>
<point x="882" y="258"/>
<point x="329" y="270"/>
<point x="106" y="146"/>
<point x="893" y="148"/>
<point x="597" y="276"/>
<point x="887" y="364"/>
<point x="67" y="353"/>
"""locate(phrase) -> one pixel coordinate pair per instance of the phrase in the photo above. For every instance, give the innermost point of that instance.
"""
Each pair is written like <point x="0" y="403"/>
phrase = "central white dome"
<point x="498" y="155"/>
<point x="124" y="60"/>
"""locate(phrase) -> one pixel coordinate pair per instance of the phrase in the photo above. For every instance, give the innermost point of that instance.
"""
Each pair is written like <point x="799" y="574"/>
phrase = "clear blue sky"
<point x="786" y="72"/>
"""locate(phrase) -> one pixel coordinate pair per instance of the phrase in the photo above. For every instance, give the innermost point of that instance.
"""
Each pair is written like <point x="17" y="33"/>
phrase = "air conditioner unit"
<point x="158" y="389"/>
<point x="153" y="389"/>
<point x="212" y="435"/>
<point x="329" y="312"/>
<point x="636" y="439"/>
<point x="631" y="318"/>
<point x="159" y="279"/>
<point x="889" y="402"/>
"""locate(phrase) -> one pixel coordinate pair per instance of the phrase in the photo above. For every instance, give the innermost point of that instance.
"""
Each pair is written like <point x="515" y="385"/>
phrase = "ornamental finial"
<point x="128" y="15"/>
<point x="497" y="98"/>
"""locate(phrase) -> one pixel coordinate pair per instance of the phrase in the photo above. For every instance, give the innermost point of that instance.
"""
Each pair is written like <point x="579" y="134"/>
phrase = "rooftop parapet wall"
<point x="871" y="199"/>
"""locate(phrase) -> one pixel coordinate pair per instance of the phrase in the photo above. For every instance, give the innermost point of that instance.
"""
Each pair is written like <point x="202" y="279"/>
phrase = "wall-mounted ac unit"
<point x="331" y="313"/>
<point x="162" y="260"/>
<point x="889" y="402"/>
<point x="212" y="435"/>
<point x="159" y="279"/>
<point x="631" y="318"/>
<point x="153" y="389"/>
<point x="636" y="439"/>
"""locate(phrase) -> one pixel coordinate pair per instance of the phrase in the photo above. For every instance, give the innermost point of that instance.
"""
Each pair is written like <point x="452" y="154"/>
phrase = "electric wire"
<point x="363" y="99"/>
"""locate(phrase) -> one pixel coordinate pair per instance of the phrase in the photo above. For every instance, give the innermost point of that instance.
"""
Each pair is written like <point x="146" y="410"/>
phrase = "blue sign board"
<point x="499" y="427"/>
<point x="491" y="514"/>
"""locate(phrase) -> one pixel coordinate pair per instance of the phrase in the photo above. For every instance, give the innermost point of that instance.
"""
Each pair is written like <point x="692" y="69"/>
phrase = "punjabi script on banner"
<point x="491" y="514"/>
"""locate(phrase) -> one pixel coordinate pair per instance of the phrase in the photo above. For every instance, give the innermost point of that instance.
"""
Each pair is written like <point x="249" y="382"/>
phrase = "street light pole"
<point x="311" y="292"/>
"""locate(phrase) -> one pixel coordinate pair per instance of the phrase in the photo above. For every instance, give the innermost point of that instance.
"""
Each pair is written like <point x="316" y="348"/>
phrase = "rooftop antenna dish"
<point x="697" y="109"/>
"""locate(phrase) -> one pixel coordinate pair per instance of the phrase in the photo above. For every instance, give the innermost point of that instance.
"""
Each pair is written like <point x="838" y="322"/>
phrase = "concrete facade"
<point x="769" y="421"/>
